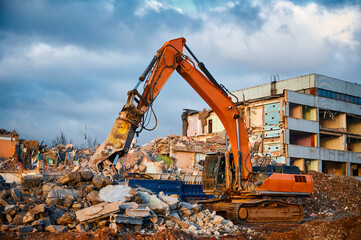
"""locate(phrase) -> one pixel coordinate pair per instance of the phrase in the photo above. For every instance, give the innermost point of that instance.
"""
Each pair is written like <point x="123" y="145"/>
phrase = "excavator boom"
<point x="168" y="58"/>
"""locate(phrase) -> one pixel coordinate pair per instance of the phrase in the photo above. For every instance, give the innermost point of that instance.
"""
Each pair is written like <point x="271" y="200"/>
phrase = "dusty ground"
<point x="333" y="212"/>
<point x="348" y="228"/>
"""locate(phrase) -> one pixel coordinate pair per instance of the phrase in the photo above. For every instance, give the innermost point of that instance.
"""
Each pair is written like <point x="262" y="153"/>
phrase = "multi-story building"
<point x="312" y="121"/>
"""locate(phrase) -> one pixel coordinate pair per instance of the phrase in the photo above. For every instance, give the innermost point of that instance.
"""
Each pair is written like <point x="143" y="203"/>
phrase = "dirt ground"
<point x="347" y="228"/>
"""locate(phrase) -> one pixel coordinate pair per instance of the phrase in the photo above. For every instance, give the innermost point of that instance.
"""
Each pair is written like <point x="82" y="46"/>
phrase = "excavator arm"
<point x="168" y="58"/>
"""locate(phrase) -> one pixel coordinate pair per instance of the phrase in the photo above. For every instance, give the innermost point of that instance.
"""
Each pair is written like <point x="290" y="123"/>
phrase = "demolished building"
<point x="311" y="121"/>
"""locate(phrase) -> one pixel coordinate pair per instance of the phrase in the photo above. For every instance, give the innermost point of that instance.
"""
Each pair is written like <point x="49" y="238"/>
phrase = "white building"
<point x="310" y="121"/>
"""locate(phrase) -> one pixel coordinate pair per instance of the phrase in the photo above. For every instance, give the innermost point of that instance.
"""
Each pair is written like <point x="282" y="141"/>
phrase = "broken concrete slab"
<point x="56" y="228"/>
<point x="97" y="211"/>
<point x="70" y="179"/>
<point x="57" y="194"/>
<point x="186" y="205"/>
<point x="47" y="187"/>
<point x="16" y="194"/>
<point x="170" y="200"/>
<point x="25" y="229"/>
<point x="31" y="180"/>
<point x="119" y="218"/>
<point x="18" y="219"/>
<point x="186" y="212"/>
<point x="3" y="202"/>
<point x="39" y="208"/>
<point x="129" y="205"/>
<point x="29" y="217"/>
<point x="87" y="175"/>
<point x="138" y="212"/>
<point x="217" y="220"/>
<point x="116" y="193"/>
<point x="80" y="228"/>
<point x="11" y="209"/>
<point x="154" y="202"/>
<point x="54" y="214"/>
<point x="93" y="197"/>
<point x="67" y="218"/>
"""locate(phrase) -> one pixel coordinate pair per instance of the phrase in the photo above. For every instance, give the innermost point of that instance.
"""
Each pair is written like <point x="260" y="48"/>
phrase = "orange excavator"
<point x="244" y="194"/>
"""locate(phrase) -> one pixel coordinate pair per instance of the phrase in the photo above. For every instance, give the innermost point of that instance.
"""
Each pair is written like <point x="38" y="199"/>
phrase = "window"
<point x="320" y="92"/>
<point x="338" y="96"/>
<point x="334" y="95"/>
<point x="329" y="94"/>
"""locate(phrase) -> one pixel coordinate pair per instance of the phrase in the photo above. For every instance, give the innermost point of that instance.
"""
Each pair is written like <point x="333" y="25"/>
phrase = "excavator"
<point x="244" y="194"/>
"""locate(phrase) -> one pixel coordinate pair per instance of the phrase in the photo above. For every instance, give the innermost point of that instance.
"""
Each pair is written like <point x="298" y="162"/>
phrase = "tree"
<point x="92" y="142"/>
<point x="60" y="140"/>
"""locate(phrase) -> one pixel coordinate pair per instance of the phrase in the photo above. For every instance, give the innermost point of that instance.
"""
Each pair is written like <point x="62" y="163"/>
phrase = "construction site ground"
<point x="333" y="212"/>
<point x="348" y="227"/>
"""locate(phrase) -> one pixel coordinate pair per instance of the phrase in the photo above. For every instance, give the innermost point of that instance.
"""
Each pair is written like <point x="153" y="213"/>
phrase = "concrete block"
<point x="138" y="212"/>
<point x="116" y="193"/>
<point x="170" y="200"/>
<point x="97" y="211"/>
<point x="119" y="218"/>
<point x="25" y="229"/>
<point x="56" y="228"/>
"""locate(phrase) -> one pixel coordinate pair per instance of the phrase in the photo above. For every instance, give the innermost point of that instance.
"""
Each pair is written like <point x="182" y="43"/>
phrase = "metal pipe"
<point x="146" y="71"/>
<point x="239" y="157"/>
<point x="205" y="70"/>
<point x="136" y="86"/>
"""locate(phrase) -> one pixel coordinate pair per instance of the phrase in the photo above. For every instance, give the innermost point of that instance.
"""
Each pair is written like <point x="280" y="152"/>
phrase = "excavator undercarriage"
<point x="264" y="211"/>
<point x="259" y="197"/>
<point x="256" y="210"/>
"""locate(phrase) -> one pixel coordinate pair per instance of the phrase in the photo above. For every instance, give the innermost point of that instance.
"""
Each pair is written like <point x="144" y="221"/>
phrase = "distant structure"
<point x="311" y="121"/>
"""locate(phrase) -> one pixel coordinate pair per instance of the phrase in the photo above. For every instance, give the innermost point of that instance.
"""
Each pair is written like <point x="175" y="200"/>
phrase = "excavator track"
<point x="264" y="211"/>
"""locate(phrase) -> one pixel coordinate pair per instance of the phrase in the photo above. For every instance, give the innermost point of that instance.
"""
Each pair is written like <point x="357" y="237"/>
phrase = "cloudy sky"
<point x="66" y="64"/>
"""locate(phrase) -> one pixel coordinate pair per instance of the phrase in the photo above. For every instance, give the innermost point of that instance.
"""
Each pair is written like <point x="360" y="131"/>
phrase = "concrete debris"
<point x="97" y="211"/>
<point x="172" y="201"/>
<point x="74" y="198"/>
<point x="116" y="193"/>
<point x="154" y="202"/>
<point x="333" y="195"/>
<point x="25" y="229"/>
<point x="172" y="154"/>
<point x="126" y="219"/>
<point x="93" y="197"/>
<point x="56" y="228"/>
<point x="57" y="194"/>
<point x="129" y="205"/>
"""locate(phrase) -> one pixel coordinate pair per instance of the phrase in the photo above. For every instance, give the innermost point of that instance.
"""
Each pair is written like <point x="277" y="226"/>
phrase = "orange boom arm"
<point x="168" y="58"/>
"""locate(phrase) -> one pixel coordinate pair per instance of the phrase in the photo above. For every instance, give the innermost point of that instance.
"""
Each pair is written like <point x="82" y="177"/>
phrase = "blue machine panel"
<point x="187" y="192"/>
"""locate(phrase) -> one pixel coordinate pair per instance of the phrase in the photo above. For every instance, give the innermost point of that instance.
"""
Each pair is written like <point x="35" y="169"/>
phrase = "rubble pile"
<point x="10" y="165"/>
<point x="83" y="202"/>
<point x="344" y="228"/>
<point x="333" y="195"/>
<point x="64" y="158"/>
<point x="5" y="132"/>
<point x="156" y="156"/>
<point x="181" y="143"/>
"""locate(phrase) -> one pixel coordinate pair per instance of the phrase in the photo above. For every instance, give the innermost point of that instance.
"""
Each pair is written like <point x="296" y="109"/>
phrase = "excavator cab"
<point x="214" y="174"/>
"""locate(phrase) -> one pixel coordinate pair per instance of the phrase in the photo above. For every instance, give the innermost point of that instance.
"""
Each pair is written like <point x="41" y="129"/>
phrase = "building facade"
<point x="311" y="121"/>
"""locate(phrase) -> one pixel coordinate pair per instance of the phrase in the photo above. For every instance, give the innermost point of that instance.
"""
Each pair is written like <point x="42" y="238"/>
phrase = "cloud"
<point x="67" y="64"/>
